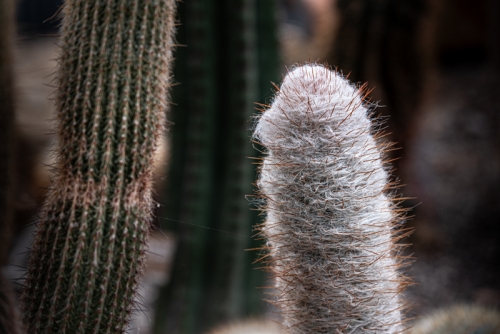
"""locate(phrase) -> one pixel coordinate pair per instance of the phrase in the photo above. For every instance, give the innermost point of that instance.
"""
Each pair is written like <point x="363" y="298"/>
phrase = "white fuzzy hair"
<point x="330" y="222"/>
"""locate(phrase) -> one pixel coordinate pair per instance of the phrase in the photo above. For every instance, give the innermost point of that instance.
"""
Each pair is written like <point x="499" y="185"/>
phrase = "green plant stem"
<point x="89" y="248"/>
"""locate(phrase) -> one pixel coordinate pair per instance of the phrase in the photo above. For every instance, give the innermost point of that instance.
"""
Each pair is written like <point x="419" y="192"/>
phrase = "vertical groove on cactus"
<point x="89" y="248"/>
<point x="330" y="220"/>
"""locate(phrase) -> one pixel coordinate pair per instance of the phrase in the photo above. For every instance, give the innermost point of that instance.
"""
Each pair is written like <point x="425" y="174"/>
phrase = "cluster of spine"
<point x="231" y="55"/>
<point x="331" y="223"/>
<point x="112" y="86"/>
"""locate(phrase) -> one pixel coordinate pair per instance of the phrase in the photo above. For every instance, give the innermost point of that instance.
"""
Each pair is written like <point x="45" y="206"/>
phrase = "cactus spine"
<point x="329" y="218"/>
<point x="112" y="85"/>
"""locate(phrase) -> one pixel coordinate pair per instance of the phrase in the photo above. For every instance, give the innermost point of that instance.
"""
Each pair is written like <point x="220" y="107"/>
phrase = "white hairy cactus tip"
<point x="330" y="221"/>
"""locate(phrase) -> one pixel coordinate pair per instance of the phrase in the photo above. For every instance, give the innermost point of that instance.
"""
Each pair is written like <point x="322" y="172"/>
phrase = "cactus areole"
<point x="330" y="223"/>
<point x="111" y="100"/>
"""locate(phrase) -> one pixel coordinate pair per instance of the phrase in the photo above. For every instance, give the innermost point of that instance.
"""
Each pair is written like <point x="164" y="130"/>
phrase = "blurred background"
<point x="435" y="70"/>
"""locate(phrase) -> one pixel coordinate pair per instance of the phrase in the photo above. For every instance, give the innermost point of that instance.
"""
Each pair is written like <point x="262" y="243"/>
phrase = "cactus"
<point x="462" y="319"/>
<point x="330" y="220"/>
<point x="89" y="247"/>
<point x="231" y="55"/>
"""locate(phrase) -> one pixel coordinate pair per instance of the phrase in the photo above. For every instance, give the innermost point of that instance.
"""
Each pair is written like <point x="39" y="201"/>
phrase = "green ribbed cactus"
<point x="112" y="87"/>
<point x="231" y="53"/>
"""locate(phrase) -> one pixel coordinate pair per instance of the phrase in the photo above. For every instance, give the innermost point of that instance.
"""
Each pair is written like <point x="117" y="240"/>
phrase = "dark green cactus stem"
<point x="227" y="286"/>
<point x="190" y="179"/>
<point x="112" y="84"/>
<point x="231" y="50"/>
<point x="269" y="64"/>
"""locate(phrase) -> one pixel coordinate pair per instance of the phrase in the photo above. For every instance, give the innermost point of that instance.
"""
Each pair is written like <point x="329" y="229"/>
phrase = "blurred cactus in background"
<point x="381" y="42"/>
<point x="111" y="100"/>
<point x="230" y="58"/>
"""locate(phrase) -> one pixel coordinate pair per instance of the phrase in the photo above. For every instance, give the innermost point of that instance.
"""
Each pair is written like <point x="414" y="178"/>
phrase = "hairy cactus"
<point x="330" y="221"/>
<point x="463" y="319"/>
<point x="112" y="86"/>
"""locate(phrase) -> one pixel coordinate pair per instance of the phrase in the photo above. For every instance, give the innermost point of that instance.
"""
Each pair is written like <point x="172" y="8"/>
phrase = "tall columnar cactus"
<point x="330" y="221"/>
<point x="112" y="86"/>
<point x="231" y="55"/>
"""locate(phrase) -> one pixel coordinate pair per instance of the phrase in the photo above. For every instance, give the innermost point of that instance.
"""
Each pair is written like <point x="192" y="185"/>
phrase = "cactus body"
<point x="231" y="50"/>
<point x="329" y="220"/>
<point x="112" y="84"/>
